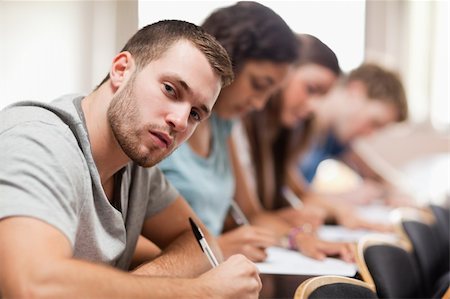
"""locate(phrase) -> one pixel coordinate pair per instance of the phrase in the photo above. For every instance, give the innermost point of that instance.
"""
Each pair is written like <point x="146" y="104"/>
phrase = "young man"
<point x="78" y="185"/>
<point x="368" y="99"/>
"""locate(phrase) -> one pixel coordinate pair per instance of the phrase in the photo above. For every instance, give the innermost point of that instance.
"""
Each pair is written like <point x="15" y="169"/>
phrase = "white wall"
<point x="51" y="48"/>
<point x="413" y="37"/>
<point x="339" y="24"/>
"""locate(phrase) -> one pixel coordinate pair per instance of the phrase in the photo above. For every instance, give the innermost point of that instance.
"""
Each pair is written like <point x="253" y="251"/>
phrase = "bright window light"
<point x="339" y="24"/>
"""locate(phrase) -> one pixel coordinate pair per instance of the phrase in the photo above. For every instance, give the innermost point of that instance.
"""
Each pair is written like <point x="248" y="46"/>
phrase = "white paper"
<point x="283" y="261"/>
<point x="337" y="233"/>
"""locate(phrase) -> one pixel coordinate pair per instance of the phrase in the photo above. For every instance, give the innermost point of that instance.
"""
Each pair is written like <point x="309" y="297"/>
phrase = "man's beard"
<point x="123" y="117"/>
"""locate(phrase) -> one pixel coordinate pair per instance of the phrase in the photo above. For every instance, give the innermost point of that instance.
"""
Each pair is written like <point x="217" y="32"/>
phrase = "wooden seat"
<point x="334" y="287"/>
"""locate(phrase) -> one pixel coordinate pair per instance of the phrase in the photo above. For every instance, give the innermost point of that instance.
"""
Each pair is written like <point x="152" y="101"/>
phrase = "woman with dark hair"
<point x="275" y="137"/>
<point x="284" y="125"/>
<point x="262" y="49"/>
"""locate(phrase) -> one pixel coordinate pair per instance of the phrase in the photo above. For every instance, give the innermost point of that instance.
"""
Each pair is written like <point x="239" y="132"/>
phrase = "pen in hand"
<point x="292" y="198"/>
<point x="237" y="214"/>
<point x="203" y="244"/>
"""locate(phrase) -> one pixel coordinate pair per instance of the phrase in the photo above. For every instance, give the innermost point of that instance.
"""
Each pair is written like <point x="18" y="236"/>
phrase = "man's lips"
<point x="165" y="139"/>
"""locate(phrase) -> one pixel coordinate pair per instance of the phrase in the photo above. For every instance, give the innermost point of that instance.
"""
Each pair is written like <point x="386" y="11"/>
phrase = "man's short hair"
<point x="382" y="84"/>
<point x="151" y="41"/>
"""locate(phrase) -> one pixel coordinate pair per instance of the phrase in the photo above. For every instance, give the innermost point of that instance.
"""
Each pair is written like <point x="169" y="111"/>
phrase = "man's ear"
<point x="122" y="67"/>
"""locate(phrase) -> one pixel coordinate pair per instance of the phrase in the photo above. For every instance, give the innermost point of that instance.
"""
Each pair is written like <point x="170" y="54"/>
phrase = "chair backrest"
<point x="334" y="287"/>
<point x="442" y="215"/>
<point x="389" y="267"/>
<point x="419" y="227"/>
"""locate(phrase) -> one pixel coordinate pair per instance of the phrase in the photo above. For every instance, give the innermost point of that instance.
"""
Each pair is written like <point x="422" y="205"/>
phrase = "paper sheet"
<point x="339" y="233"/>
<point x="283" y="261"/>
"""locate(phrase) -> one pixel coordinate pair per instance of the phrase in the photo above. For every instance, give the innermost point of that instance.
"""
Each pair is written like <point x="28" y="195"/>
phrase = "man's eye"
<point x="195" y="115"/>
<point x="312" y="89"/>
<point x="169" y="89"/>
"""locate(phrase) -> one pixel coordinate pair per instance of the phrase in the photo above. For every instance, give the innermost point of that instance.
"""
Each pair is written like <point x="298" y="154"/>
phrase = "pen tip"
<point x="196" y="230"/>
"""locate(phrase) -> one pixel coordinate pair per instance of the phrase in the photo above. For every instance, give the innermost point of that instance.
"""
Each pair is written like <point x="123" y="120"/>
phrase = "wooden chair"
<point x="389" y="266"/>
<point x="334" y="287"/>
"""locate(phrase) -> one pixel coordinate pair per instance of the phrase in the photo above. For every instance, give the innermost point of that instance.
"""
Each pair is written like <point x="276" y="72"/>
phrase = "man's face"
<point x="159" y="107"/>
<point x="363" y="117"/>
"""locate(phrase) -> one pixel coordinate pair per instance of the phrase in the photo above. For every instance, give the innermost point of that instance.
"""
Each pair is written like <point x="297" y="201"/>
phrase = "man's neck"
<point x="108" y="155"/>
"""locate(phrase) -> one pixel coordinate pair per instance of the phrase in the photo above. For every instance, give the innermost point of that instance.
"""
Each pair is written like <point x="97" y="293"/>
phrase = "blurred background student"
<point x="267" y="145"/>
<point x="369" y="99"/>
<point x="262" y="48"/>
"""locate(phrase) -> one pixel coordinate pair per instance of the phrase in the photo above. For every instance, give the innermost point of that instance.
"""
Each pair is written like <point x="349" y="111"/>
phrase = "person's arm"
<point x="36" y="261"/>
<point x="390" y="183"/>
<point x="181" y="255"/>
<point x="145" y="252"/>
<point x="305" y="242"/>
<point x="351" y="158"/>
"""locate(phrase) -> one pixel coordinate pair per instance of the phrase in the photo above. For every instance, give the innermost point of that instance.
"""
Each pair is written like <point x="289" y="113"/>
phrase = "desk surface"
<point x="284" y="270"/>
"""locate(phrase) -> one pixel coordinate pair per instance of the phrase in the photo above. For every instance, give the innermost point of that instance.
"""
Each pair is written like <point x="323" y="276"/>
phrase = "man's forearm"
<point x="183" y="258"/>
<point x="79" y="279"/>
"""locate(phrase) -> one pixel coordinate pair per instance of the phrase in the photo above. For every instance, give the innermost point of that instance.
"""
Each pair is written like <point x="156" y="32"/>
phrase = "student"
<point x="285" y="120"/>
<point x="268" y="141"/>
<point x="277" y="135"/>
<point x="78" y="185"/>
<point x="369" y="99"/>
<point x="262" y="47"/>
<point x="257" y="77"/>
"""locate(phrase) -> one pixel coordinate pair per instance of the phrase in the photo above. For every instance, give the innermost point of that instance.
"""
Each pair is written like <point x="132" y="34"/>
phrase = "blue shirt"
<point x="329" y="148"/>
<point x="206" y="183"/>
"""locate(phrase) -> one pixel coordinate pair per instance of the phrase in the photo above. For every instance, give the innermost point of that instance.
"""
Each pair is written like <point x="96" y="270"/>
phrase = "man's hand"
<point x="237" y="277"/>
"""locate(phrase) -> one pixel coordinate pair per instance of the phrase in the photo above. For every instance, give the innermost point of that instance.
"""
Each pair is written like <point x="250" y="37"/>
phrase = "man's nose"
<point x="178" y="117"/>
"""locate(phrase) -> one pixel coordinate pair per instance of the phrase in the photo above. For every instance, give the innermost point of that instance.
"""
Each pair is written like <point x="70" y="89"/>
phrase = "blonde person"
<point x="78" y="183"/>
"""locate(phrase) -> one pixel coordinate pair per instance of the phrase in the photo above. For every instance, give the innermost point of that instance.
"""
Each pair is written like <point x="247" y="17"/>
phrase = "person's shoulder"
<point x="18" y="121"/>
<point x="32" y="130"/>
<point x="33" y="115"/>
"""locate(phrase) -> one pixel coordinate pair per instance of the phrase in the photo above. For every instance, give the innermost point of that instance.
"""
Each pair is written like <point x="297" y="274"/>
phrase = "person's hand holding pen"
<point x="248" y="240"/>
<point x="237" y="277"/>
<point x="309" y="217"/>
